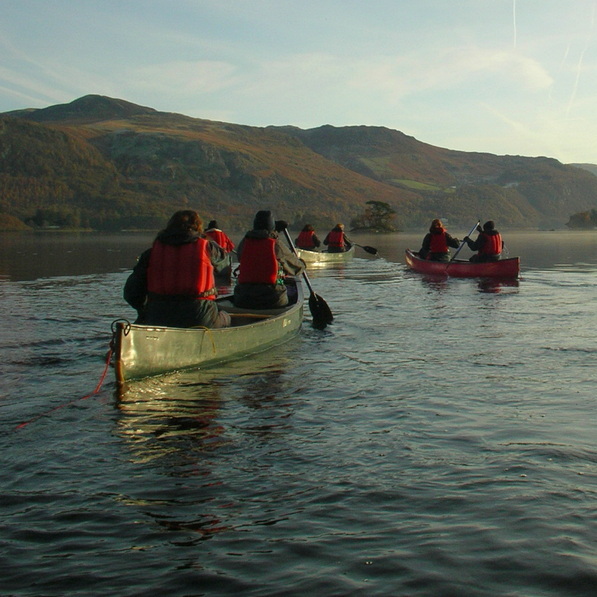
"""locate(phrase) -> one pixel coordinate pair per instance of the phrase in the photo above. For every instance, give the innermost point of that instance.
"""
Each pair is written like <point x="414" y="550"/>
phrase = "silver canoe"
<point x="141" y="350"/>
<point x="323" y="257"/>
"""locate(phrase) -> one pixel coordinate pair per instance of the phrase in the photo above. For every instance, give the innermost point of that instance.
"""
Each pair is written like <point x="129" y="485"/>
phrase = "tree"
<point x="583" y="219"/>
<point x="377" y="215"/>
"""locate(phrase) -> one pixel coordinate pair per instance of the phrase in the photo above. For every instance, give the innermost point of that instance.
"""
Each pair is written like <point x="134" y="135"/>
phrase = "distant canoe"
<point x="504" y="268"/>
<point x="323" y="257"/>
<point x="143" y="350"/>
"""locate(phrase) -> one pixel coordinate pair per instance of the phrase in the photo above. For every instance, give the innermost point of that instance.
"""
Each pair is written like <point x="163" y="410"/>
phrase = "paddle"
<point x="322" y="315"/>
<point x="367" y="248"/>
<point x="463" y="242"/>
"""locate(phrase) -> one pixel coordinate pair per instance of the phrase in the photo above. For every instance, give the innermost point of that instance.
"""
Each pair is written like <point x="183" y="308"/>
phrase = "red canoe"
<point x="505" y="268"/>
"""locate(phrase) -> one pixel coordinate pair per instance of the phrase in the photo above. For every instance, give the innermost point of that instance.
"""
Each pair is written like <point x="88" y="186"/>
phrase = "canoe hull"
<point x="142" y="351"/>
<point x="323" y="257"/>
<point x="504" y="268"/>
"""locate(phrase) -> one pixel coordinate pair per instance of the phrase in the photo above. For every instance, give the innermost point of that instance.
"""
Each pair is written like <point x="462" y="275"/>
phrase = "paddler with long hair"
<point x="437" y="242"/>
<point x="173" y="282"/>
<point x="307" y="239"/>
<point x="336" y="241"/>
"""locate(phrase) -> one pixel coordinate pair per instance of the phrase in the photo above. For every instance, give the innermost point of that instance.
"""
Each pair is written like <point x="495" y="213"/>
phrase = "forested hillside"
<point x="105" y="163"/>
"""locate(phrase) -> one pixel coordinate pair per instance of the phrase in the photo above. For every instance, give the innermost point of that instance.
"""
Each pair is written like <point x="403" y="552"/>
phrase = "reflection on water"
<point x="495" y="285"/>
<point x="177" y="415"/>
<point x="488" y="285"/>
<point x="160" y="419"/>
<point x="30" y="255"/>
<point x="188" y="425"/>
<point x="437" y="283"/>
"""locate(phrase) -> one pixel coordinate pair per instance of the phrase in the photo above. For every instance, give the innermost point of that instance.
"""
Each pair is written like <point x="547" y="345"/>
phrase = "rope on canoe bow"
<point x="126" y="324"/>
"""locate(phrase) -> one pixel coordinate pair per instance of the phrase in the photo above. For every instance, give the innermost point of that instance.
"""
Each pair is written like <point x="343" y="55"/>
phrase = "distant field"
<point x="423" y="186"/>
<point x="382" y="165"/>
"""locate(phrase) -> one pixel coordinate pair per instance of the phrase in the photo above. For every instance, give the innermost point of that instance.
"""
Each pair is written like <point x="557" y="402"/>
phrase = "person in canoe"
<point x="307" y="239"/>
<point x="219" y="236"/>
<point x="336" y="241"/>
<point x="173" y="282"/>
<point x="489" y="244"/>
<point x="223" y="269"/>
<point x="263" y="262"/>
<point x="437" y="242"/>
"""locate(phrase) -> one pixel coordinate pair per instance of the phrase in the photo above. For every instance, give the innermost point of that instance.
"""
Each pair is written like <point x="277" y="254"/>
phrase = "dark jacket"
<point x="266" y="296"/>
<point x="174" y="312"/>
<point x="479" y="243"/>
<point x="347" y="243"/>
<point x="424" y="251"/>
<point x="314" y="239"/>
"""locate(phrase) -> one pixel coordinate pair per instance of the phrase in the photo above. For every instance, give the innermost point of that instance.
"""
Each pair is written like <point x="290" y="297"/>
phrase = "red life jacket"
<point x="492" y="245"/>
<point x="221" y="238"/>
<point x="305" y="239"/>
<point x="336" y="238"/>
<point x="438" y="243"/>
<point x="181" y="270"/>
<point x="258" y="262"/>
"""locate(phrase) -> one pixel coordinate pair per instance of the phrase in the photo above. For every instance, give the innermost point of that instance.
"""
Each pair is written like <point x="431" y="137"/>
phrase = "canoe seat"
<point x="225" y="304"/>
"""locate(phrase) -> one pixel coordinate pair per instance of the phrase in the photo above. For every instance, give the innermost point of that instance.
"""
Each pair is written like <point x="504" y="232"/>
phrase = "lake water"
<point x="437" y="440"/>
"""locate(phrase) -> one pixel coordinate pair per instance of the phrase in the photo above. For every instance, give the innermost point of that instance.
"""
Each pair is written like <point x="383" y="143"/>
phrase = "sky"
<point x="509" y="77"/>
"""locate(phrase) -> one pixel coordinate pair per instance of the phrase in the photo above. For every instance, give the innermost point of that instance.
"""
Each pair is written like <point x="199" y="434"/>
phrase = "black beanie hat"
<point x="264" y="221"/>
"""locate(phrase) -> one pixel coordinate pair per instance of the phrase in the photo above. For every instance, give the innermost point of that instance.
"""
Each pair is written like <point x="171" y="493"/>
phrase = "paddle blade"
<point x="371" y="250"/>
<point x="322" y="315"/>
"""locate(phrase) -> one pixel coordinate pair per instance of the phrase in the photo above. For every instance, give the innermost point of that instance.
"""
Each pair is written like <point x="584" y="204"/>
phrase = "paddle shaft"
<point x="463" y="242"/>
<point x="291" y="245"/>
<point x="322" y="314"/>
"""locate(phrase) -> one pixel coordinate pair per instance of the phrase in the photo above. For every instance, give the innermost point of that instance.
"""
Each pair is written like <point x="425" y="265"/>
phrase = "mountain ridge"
<point x="142" y="164"/>
<point x="87" y="108"/>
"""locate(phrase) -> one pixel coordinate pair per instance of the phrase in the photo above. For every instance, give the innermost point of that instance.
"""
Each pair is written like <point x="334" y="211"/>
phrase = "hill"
<point x="516" y="190"/>
<point x="106" y="163"/>
<point x="592" y="168"/>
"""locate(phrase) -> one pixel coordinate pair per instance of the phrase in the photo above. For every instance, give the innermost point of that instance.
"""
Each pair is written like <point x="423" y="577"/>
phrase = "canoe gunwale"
<point x="323" y="257"/>
<point x="459" y="268"/>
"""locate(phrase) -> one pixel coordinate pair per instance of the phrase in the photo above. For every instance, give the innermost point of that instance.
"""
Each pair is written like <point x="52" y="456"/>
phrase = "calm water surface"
<point x="438" y="439"/>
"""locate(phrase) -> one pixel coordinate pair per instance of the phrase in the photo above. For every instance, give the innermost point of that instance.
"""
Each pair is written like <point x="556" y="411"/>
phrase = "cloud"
<point x="43" y="80"/>
<point x="30" y="100"/>
<point x="30" y="88"/>
<point x="551" y="131"/>
<point x="184" y="78"/>
<point x="455" y="66"/>
<point x="525" y="70"/>
<point x="396" y="77"/>
<point x="313" y="88"/>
